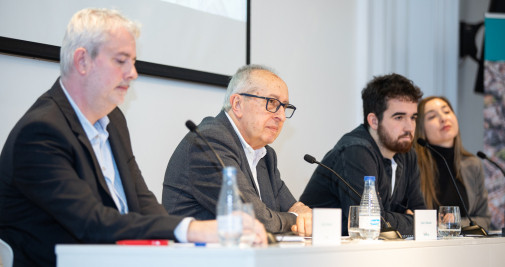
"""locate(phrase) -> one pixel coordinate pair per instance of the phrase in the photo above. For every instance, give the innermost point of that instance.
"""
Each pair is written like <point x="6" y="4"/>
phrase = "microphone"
<point x="192" y="127"/>
<point x="388" y="233"/>
<point x="472" y="229"/>
<point x="481" y="155"/>
<point x="310" y="159"/>
<point x="484" y="156"/>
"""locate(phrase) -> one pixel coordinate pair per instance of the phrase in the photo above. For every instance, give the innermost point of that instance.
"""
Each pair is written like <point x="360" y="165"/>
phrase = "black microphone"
<point x="310" y="159"/>
<point x="192" y="127"/>
<point x="473" y="229"/>
<point x="387" y="233"/>
<point x="484" y="156"/>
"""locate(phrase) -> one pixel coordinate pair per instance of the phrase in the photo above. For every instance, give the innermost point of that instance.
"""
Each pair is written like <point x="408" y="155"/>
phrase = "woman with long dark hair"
<point x="438" y="125"/>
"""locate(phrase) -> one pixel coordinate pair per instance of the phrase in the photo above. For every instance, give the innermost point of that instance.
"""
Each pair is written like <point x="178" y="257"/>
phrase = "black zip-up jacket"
<point x="355" y="156"/>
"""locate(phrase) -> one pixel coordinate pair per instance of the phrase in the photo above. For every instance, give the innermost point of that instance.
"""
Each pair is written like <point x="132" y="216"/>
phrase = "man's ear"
<point x="372" y="120"/>
<point x="81" y="60"/>
<point x="237" y="104"/>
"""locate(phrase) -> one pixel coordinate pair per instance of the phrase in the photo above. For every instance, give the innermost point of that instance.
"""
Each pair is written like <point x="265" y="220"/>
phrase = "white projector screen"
<point x="207" y="36"/>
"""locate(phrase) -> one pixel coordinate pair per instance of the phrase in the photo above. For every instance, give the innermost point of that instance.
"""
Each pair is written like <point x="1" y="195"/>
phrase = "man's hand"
<point x="448" y="218"/>
<point x="261" y="234"/>
<point x="303" y="226"/>
<point x="409" y="212"/>
<point x="206" y="231"/>
<point x="203" y="231"/>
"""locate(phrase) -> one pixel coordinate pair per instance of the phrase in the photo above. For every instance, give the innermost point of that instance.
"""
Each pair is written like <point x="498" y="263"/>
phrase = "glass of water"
<point x="353" y="223"/>
<point x="449" y="221"/>
<point x="248" y="218"/>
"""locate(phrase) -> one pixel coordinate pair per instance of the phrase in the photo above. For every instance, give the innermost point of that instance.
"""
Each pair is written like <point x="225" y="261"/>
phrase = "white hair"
<point x="90" y="28"/>
<point x="240" y="82"/>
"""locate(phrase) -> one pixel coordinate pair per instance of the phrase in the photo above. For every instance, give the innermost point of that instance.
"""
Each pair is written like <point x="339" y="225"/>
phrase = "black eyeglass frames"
<point x="274" y="104"/>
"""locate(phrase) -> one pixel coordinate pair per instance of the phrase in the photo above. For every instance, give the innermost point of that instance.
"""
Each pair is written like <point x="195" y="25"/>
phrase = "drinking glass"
<point x="248" y="234"/>
<point x="449" y="221"/>
<point x="353" y="223"/>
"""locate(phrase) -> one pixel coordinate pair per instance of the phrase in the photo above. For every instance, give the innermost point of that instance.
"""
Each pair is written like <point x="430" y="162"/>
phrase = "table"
<point x="460" y="252"/>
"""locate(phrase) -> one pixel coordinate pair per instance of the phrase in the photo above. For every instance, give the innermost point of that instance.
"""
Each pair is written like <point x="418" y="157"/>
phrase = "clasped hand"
<point x="303" y="226"/>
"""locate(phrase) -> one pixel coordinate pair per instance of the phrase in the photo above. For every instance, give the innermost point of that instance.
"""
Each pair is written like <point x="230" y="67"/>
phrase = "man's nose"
<point x="410" y="125"/>
<point x="281" y="113"/>
<point x="132" y="73"/>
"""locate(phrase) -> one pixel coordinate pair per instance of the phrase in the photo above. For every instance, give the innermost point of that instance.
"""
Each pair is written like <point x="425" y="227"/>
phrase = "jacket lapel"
<point x="245" y="167"/>
<point x="56" y="92"/>
<point x="267" y="194"/>
<point x="118" y="150"/>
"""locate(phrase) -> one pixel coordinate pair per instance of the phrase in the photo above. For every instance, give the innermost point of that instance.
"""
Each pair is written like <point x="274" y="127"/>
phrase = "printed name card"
<point x="425" y="225"/>
<point x="326" y="226"/>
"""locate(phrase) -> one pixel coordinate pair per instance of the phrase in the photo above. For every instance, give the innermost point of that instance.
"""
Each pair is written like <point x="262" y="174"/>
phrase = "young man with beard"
<point x="380" y="147"/>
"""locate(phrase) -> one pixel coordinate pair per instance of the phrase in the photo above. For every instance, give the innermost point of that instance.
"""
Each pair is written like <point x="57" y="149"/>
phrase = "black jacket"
<point x="52" y="190"/>
<point x="357" y="155"/>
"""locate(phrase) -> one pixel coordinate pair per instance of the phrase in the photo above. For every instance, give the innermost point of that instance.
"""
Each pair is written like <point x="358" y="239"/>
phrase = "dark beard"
<point x="394" y="145"/>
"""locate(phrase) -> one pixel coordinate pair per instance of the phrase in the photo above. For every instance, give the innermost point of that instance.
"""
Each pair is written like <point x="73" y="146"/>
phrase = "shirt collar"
<point x="259" y="153"/>
<point x="90" y="130"/>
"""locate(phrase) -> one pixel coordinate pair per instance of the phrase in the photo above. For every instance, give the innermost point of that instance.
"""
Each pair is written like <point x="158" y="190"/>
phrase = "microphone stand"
<point x="193" y="128"/>
<point x="484" y="156"/>
<point x="481" y="155"/>
<point x="386" y="233"/>
<point x="473" y="228"/>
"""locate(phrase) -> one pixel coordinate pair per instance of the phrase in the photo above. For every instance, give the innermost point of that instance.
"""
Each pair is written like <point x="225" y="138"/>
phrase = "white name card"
<point x="326" y="226"/>
<point x="425" y="225"/>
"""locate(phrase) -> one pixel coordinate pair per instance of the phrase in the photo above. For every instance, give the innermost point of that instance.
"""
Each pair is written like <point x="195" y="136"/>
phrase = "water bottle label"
<point x="369" y="222"/>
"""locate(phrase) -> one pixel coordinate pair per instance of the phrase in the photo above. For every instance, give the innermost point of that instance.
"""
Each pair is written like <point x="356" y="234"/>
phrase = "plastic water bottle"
<point x="229" y="210"/>
<point x="369" y="211"/>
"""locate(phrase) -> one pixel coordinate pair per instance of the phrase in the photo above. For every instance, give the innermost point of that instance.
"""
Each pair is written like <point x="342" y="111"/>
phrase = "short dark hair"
<point x="383" y="88"/>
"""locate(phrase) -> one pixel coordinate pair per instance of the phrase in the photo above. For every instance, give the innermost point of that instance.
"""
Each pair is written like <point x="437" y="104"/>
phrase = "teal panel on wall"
<point x="494" y="44"/>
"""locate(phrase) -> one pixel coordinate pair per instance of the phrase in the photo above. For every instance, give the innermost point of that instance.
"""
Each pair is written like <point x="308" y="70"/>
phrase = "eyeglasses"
<point x="274" y="104"/>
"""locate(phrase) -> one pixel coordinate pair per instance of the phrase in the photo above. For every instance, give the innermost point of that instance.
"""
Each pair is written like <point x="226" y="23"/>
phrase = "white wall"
<point x="418" y="39"/>
<point x="322" y="49"/>
<point x="311" y="45"/>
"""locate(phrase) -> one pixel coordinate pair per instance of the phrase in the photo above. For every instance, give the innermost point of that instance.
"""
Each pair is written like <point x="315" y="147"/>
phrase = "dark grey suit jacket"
<point x="52" y="190"/>
<point x="193" y="177"/>
<point x="472" y="173"/>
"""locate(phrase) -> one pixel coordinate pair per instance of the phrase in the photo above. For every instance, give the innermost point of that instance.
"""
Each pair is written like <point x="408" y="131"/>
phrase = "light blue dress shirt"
<point x="99" y="139"/>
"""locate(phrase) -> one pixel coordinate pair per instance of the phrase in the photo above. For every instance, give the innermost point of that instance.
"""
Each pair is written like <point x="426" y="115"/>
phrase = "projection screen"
<point x="202" y="41"/>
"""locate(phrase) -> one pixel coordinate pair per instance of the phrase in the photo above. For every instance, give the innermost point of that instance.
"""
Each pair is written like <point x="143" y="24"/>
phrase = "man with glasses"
<point x="254" y="110"/>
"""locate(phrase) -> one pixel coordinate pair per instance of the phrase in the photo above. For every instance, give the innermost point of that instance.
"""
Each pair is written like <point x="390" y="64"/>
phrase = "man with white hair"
<point x="67" y="170"/>
<point x="255" y="107"/>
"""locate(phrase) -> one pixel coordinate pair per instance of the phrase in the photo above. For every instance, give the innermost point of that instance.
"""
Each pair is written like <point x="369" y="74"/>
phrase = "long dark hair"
<point x="427" y="166"/>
